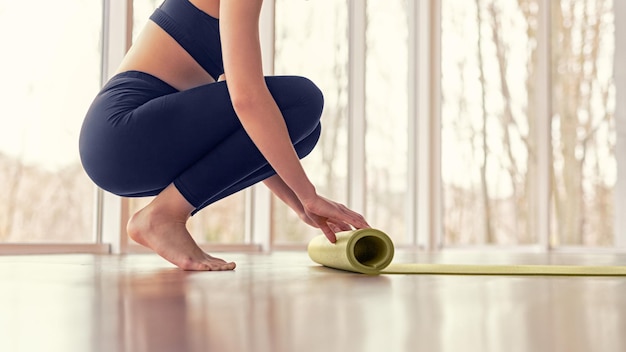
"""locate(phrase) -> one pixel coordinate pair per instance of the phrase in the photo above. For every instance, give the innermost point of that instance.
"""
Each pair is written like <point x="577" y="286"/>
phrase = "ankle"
<point x="134" y="229"/>
<point x="170" y="202"/>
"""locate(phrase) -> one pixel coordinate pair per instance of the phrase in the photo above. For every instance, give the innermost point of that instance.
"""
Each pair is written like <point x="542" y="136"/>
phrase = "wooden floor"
<point x="284" y="302"/>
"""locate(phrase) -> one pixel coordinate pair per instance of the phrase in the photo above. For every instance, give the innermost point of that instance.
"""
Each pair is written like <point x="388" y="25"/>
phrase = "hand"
<point x="331" y="217"/>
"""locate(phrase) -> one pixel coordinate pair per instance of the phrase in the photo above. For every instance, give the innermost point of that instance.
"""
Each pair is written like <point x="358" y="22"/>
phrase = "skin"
<point x="161" y="225"/>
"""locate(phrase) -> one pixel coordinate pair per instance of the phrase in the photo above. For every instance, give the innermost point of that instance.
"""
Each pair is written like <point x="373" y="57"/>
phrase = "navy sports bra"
<point x="196" y="31"/>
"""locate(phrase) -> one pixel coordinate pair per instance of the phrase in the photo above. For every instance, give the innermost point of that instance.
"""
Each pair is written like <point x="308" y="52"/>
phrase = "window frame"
<point x="619" y="74"/>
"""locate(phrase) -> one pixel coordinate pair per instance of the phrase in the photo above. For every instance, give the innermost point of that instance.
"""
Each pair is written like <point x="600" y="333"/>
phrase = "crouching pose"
<point x="190" y="118"/>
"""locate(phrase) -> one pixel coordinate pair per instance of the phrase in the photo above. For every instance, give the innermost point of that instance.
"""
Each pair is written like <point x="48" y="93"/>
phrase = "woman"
<point x="189" y="117"/>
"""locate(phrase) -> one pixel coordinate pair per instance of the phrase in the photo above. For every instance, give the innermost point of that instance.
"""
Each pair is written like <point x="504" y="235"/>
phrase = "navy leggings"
<point x="140" y="135"/>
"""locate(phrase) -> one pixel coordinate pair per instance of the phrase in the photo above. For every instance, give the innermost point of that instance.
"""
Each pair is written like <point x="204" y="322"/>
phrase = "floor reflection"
<point x="282" y="302"/>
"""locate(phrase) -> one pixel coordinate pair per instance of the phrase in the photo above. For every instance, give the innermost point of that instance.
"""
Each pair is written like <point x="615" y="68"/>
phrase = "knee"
<point x="300" y="93"/>
<point x="312" y="96"/>
<point x="305" y="146"/>
<point x="304" y="112"/>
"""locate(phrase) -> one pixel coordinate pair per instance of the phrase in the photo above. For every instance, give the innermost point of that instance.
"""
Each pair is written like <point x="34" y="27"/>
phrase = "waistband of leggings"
<point x="133" y="75"/>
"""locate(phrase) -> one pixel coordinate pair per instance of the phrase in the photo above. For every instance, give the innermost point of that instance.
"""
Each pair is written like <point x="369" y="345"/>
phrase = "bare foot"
<point x="169" y="238"/>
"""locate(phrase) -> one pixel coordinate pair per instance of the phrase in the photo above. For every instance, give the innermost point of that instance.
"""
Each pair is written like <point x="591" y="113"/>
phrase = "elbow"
<point x="248" y="100"/>
<point x="247" y="93"/>
<point x="242" y="103"/>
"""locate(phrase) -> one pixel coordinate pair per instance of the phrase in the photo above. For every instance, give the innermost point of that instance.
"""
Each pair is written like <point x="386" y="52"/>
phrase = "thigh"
<point x="167" y="135"/>
<point x="196" y="120"/>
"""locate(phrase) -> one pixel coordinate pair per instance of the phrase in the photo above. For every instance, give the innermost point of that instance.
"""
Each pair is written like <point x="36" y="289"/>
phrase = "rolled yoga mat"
<point x="370" y="251"/>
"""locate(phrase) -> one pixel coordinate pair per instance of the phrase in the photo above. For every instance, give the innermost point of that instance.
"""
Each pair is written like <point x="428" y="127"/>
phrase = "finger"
<point x="339" y="226"/>
<point x="328" y="232"/>
<point x="355" y="219"/>
<point x="334" y="227"/>
<point x="353" y="215"/>
<point x="346" y="227"/>
<point x="340" y="214"/>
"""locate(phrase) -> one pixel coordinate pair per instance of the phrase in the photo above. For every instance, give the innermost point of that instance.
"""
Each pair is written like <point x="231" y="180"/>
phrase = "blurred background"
<point x="491" y="88"/>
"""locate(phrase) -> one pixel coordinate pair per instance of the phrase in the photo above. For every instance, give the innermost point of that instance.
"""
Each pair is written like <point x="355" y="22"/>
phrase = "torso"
<point x="158" y="54"/>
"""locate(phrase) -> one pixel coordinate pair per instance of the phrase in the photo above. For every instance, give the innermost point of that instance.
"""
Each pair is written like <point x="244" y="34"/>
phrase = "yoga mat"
<point x="370" y="251"/>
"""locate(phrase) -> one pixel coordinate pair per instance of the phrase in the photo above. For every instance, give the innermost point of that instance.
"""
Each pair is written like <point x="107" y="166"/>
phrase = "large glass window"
<point x="51" y="55"/>
<point x="311" y="40"/>
<point x="489" y="121"/>
<point x="583" y="123"/>
<point x="486" y="58"/>
<point x="386" y="107"/>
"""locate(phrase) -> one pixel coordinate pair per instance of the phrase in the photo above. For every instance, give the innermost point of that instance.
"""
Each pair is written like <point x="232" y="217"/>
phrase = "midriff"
<point x="155" y="52"/>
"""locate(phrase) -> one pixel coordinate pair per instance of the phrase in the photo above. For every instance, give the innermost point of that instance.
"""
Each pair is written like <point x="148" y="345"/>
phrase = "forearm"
<point x="280" y="189"/>
<point x="251" y="99"/>
<point x="265" y="125"/>
<point x="263" y="121"/>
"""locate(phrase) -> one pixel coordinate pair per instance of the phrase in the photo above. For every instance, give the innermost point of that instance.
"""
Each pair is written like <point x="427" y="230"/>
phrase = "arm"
<point x="285" y="194"/>
<point x="262" y="120"/>
<point x="252" y="101"/>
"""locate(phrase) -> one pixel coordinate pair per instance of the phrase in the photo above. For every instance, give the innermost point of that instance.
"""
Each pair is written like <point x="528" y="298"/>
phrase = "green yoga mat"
<point x="370" y="251"/>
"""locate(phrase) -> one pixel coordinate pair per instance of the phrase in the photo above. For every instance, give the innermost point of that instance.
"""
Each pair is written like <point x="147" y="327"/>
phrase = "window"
<point x="486" y="57"/>
<point x="50" y="72"/>
<point x="490" y="67"/>
<point x="583" y="123"/>
<point x="386" y="109"/>
<point x="491" y="118"/>
<point x="312" y="40"/>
